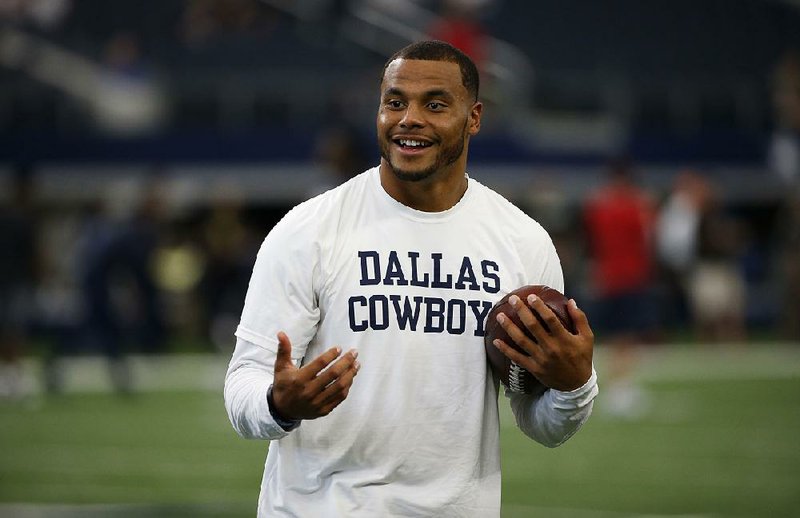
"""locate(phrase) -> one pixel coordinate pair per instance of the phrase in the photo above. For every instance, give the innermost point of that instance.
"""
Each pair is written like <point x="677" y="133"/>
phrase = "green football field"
<point x="720" y="436"/>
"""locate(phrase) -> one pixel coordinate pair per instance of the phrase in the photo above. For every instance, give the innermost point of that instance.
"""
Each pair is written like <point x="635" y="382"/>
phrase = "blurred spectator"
<point x="139" y="239"/>
<point x="619" y="218"/>
<point x="788" y="248"/>
<point x="784" y="159"/>
<point x="717" y="289"/>
<point x="59" y="305"/>
<point x="229" y="248"/>
<point x="121" y="304"/>
<point x="102" y="290"/>
<point x="677" y="229"/>
<point x="179" y="267"/>
<point x="18" y="260"/>
<point x="784" y="153"/>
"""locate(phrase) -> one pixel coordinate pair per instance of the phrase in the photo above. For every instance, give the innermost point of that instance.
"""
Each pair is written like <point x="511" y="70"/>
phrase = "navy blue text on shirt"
<point x="462" y="311"/>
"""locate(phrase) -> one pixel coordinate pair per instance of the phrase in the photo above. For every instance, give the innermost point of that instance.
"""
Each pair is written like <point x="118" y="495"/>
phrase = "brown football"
<point x="513" y="376"/>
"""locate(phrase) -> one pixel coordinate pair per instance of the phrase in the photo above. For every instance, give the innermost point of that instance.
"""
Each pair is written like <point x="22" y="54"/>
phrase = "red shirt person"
<point x="619" y="219"/>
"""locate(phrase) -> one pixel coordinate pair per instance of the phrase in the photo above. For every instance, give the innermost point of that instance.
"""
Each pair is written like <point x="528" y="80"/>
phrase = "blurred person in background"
<point x="619" y="219"/>
<point x="59" y="306"/>
<point x="121" y="306"/>
<point x="229" y="248"/>
<point x="416" y="433"/>
<point x="784" y="160"/>
<point x="99" y="259"/>
<point x="784" y="152"/>
<point x="788" y="246"/>
<point x="677" y="230"/>
<point x="18" y="274"/>
<point x="717" y="289"/>
<point x="140" y="237"/>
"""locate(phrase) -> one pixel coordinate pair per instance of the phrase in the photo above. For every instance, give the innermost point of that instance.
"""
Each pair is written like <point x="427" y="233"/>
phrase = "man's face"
<point x="425" y="118"/>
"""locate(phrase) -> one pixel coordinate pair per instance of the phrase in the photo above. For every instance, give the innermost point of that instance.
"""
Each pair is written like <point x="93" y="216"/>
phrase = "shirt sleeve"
<point x="544" y="264"/>
<point x="250" y="374"/>
<point x="281" y="296"/>
<point x="554" y="416"/>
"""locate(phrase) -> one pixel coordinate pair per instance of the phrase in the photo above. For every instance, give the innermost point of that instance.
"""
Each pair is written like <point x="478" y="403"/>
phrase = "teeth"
<point x="411" y="143"/>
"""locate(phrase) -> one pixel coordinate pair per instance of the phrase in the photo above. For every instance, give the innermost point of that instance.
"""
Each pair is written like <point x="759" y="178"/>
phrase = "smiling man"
<point x="360" y="352"/>
<point x="424" y="122"/>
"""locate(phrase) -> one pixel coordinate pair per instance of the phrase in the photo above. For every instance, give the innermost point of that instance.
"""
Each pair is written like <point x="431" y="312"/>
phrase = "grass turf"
<point x="719" y="439"/>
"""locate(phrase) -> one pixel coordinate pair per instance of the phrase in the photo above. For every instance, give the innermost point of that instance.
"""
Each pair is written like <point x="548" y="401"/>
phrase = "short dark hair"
<point x="434" y="50"/>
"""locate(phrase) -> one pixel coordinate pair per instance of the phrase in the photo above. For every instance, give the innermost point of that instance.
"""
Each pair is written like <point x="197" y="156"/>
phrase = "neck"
<point x="435" y="194"/>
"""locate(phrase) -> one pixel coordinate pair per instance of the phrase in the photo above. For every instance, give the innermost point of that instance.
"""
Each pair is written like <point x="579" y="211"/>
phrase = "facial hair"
<point x="447" y="155"/>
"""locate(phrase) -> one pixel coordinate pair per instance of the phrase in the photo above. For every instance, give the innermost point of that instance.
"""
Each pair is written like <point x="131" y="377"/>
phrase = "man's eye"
<point x="394" y="104"/>
<point x="435" y="106"/>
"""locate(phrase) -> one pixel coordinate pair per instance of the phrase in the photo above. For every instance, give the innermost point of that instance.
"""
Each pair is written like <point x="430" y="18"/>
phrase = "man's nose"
<point x="412" y="117"/>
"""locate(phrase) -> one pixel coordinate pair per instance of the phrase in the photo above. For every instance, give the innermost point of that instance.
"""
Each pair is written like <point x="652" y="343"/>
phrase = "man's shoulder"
<point x="311" y="219"/>
<point x="332" y="200"/>
<point x="496" y="205"/>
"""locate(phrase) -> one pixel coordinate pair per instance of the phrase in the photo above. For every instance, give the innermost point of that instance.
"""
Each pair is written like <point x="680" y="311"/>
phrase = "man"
<point x="619" y="220"/>
<point x="18" y="275"/>
<point x="400" y="265"/>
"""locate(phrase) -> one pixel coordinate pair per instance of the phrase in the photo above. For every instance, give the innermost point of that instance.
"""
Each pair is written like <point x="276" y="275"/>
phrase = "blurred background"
<point x="147" y="148"/>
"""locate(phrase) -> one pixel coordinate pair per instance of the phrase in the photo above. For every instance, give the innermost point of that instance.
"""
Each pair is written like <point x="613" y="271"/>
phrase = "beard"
<point x="446" y="156"/>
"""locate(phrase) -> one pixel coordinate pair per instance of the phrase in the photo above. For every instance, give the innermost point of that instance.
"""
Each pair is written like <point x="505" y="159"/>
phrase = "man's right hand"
<point x="311" y="391"/>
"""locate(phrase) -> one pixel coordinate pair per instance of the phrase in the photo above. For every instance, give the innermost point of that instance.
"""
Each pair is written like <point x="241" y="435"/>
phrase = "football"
<point x="512" y="375"/>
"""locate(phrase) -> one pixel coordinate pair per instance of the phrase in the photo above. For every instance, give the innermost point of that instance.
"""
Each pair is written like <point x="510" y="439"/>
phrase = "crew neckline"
<point x="415" y="214"/>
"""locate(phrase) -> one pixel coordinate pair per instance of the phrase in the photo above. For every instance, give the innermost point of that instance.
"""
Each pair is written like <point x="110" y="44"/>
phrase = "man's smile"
<point x="411" y="145"/>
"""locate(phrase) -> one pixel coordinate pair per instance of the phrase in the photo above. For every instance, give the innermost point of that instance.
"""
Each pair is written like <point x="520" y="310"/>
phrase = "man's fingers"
<point x="518" y="335"/>
<point x="315" y="389"/>
<point x="527" y="362"/>
<point x="525" y="314"/>
<point x="283" y="360"/>
<point x="322" y="361"/>
<point x="336" y="370"/>
<point x="580" y="319"/>
<point x="336" y="391"/>
<point x="551" y="320"/>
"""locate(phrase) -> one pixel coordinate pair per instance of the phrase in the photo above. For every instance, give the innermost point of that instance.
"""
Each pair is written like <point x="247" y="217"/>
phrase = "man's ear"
<point x="475" y="118"/>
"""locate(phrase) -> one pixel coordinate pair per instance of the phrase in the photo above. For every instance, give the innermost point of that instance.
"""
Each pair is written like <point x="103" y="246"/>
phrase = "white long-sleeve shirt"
<point x="418" y="434"/>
